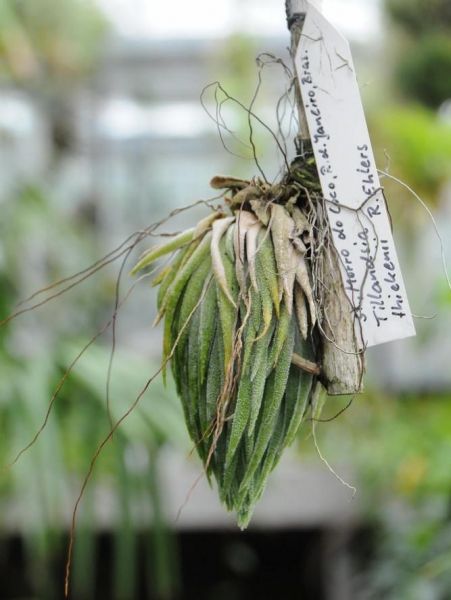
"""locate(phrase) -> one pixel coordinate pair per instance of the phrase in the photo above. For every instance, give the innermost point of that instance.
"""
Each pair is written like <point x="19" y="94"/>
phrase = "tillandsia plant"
<point x="241" y="308"/>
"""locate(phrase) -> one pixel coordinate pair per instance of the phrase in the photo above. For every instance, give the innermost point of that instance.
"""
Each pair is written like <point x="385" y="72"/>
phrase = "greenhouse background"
<point x="106" y="126"/>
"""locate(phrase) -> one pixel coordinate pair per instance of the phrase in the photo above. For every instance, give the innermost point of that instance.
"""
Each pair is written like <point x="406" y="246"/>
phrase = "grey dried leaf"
<point x="224" y="183"/>
<point x="219" y="229"/>
<point x="301" y="311"/>
<point x="282" y="228"/>
<point x="303" y="226"/>
<point x="244" y="221"/>
<point x="262" y="210"/>
<point x="303" y="279"/>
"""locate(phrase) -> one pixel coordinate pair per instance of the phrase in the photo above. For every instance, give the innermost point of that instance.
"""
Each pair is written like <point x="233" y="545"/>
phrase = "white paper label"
<point x="356" y="206"/>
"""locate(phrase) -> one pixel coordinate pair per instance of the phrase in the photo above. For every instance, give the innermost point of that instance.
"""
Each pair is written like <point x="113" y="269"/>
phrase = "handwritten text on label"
<point x="350" y="182"/>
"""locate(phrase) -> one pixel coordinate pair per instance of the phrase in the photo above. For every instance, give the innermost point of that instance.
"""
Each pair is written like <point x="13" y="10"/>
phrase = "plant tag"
<point x="356" y="205"/>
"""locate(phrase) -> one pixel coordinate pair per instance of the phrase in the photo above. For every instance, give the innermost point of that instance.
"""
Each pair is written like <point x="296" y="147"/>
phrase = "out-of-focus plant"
<point x="47" y="47"/>
<point x="401" y="448"/>
<point x="49" y="39"/>
<point x="424" y="61"/>
<point x="418" y="143"/>
<point x="37" y="242"/>
<point x="131" y="463"/>
<point x="417" y="16"/>
<point x="425" y="72"/>
<point x="43" y="486"/>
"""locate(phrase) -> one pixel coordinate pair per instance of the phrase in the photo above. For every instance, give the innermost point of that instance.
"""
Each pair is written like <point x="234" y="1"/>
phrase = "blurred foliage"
<point x="418" y="16"/>
<point x="48" y="46"/>
<point x="401" y="448"/>
<point x="424" y="59"/>
<point x="425" y="72"/>
<point x="412" y="140"/>
<point x="39" y="244"/>
<point x="49" y="39"/>
<point x="52" y="244"/>
<point x="418" y="144"/>
<point x="236" y="63"/>
<point x="43" y="486"/>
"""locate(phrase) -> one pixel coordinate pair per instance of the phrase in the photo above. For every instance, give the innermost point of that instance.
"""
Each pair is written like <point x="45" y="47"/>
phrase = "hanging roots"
<point x="239" y="315"/>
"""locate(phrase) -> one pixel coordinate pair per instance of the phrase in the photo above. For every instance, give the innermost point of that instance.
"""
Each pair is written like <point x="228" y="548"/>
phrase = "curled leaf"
<point x="219" y="228"/>
<point x="245" y="220"/>
<point x="301" y="311"/>
<point x="262" y="211"/>
<point x="303" y="279"/>
<point x="153" y="254"/>
<point x="245" y="195"/>
<point x="282" y="228"/>
<point x="221" y="183"/>
<point x="251" y="250"/>
<point x="205" y="224"/>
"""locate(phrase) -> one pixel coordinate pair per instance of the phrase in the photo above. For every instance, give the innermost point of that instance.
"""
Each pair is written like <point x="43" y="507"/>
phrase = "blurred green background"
<point x="101" y="134"/>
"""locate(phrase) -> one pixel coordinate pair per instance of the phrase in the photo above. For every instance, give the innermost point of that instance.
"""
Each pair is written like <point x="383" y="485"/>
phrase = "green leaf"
<point x="158" y="251"/>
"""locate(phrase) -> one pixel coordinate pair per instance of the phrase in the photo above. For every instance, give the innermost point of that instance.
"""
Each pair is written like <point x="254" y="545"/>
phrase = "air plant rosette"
<point x="243" y="308"/>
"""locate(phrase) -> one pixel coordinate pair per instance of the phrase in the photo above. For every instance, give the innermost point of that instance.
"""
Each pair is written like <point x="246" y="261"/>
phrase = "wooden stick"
<point x="305" y="365"/>
<point x="342" y="361"/>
